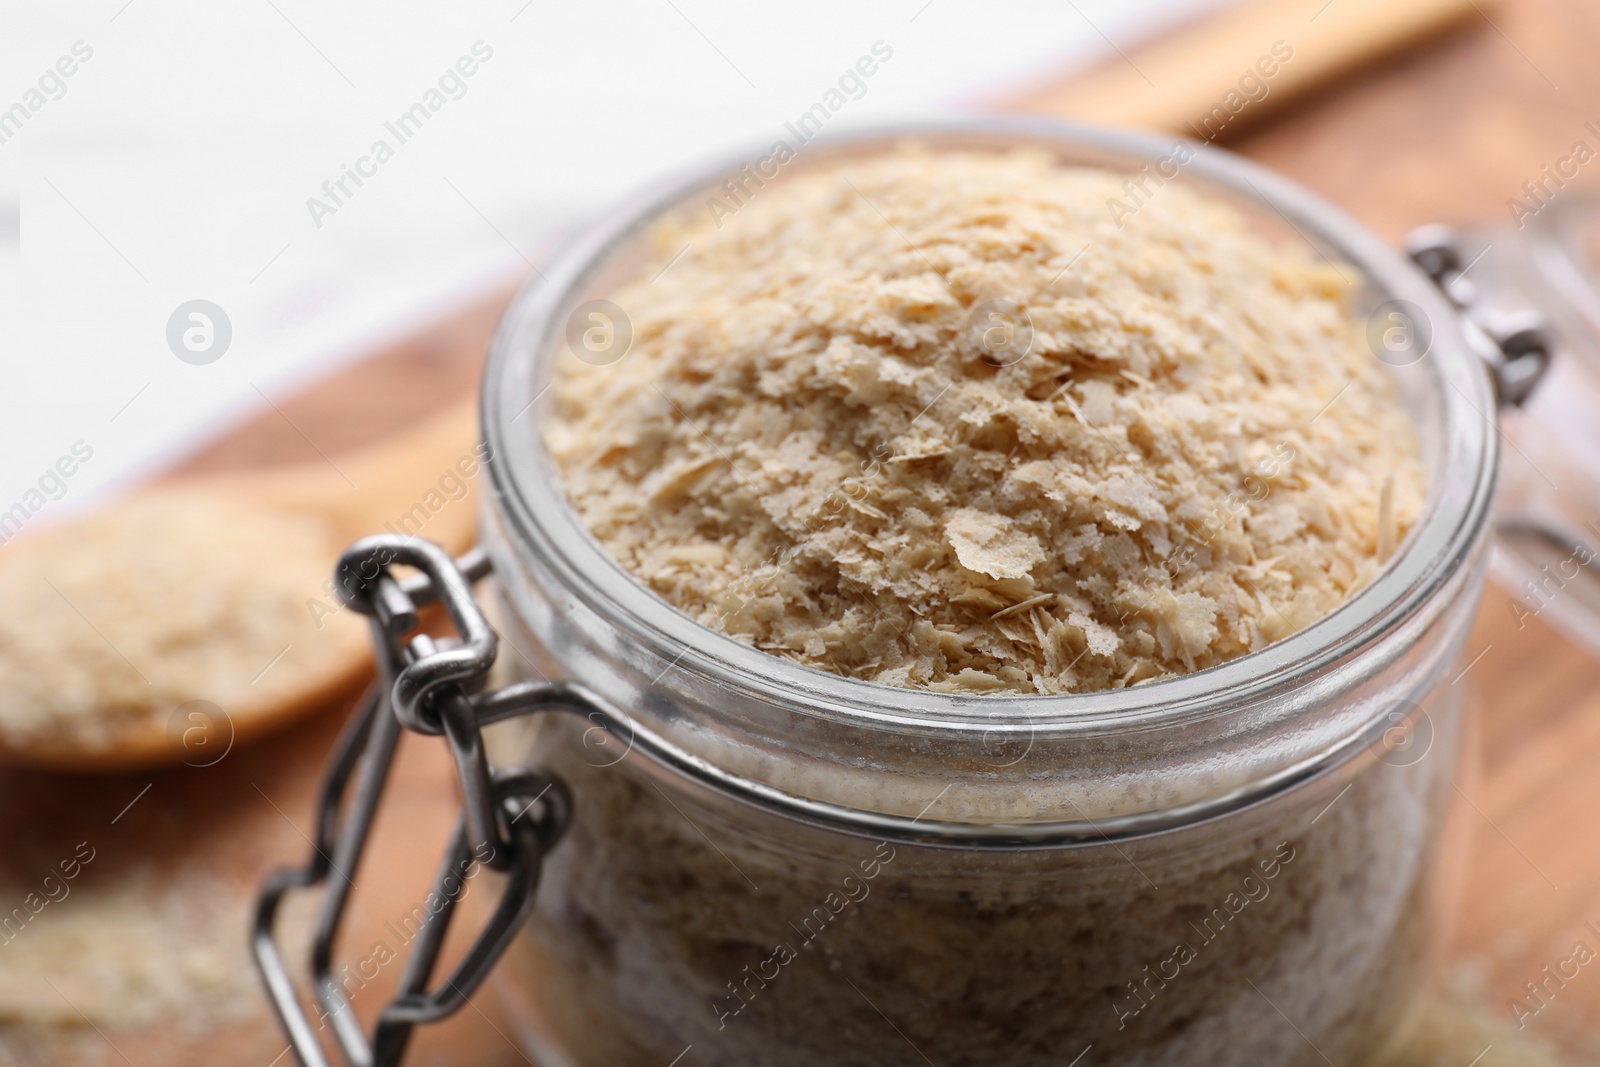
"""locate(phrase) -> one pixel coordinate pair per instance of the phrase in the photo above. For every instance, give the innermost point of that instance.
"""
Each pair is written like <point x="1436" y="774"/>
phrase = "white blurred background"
<point x="176" y="162"/>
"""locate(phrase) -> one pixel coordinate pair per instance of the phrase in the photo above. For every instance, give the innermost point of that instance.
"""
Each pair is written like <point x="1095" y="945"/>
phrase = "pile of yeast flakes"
<point x="1196" y="454"/>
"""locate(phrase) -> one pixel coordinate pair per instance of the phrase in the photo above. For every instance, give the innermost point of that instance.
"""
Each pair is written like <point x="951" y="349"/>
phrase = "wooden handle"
<point x="421" y="481"/>
<point x="1211" y="78"/>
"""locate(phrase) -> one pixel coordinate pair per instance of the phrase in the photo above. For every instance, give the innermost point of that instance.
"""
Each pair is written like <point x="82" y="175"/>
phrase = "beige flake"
<point x="991" y="544"/>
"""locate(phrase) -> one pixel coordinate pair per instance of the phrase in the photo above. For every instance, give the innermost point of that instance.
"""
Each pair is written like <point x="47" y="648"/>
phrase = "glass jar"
<point x="771" y="864"/>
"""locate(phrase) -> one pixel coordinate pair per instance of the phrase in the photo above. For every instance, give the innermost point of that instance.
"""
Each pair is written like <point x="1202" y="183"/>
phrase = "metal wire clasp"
<point x="509" y="820"/>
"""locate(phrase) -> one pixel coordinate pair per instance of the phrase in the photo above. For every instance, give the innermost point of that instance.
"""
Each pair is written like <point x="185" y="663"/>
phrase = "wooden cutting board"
<point x="1447" y="133"/>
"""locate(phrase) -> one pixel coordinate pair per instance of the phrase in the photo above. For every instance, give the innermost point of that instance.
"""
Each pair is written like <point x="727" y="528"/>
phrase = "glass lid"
<point x="1548" y="510"/>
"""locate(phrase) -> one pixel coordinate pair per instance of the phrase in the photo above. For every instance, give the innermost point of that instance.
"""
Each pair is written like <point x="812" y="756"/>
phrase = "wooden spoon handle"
<point x="421" y="481"/>
<point x="1209" y="79"/>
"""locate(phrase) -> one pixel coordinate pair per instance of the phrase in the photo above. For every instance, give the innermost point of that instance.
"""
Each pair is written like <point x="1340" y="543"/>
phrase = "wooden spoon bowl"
<point x="199" y="614"/>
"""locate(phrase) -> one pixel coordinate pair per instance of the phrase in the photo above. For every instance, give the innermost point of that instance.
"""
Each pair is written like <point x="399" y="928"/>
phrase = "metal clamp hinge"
<point x="1516" y="347"/>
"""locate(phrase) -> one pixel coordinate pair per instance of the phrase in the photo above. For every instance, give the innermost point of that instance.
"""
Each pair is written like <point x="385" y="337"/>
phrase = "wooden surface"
<point x="1449" y="132"/>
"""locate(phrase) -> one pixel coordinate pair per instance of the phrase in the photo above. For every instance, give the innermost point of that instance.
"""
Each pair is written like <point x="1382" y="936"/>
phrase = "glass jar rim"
<point x="527" y="493"/>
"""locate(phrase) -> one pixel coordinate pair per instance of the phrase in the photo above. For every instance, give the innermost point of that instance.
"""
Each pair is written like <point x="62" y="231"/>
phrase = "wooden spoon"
<point x="198" y="613"/>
